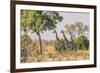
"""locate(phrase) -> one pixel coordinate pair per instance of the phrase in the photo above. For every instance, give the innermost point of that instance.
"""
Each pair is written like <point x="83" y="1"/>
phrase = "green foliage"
<point x="81" y="28"/>
<point x="25" y="40"/>
<point x="76" y="29"/>
<point x="70" y="27"/>
<point x="39" y="20"/>
<point x="82" y="42"/>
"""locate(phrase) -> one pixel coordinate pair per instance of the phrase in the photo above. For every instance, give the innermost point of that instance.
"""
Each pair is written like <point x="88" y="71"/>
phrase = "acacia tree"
<point x="38" y="22"/>
<point x="80" y="28"/>
<point x="77" y="27"/>
<point x="70" y="28"/>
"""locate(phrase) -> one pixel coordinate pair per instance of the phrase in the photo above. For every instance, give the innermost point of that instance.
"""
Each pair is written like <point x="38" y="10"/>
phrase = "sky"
<point x="68" y="18"/>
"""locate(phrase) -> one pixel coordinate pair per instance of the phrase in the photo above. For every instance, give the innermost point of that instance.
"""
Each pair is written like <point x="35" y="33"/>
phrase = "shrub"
<point x="82" y="42"/>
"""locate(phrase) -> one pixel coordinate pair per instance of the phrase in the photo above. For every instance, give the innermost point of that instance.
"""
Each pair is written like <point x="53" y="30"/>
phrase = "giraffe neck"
<point x="71" y="38"/>
<point x="65" y="37"/>
<point x="56" y="36"/>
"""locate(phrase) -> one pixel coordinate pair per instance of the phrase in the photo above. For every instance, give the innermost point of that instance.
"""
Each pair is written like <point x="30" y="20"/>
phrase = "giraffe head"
<point x="62" y="31"/>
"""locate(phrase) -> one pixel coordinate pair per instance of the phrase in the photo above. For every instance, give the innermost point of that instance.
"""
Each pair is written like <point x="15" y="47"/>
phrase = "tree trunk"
<point x="40" y="42"/>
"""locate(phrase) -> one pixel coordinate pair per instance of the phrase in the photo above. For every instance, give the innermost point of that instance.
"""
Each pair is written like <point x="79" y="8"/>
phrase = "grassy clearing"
<point x="51" y="54"/>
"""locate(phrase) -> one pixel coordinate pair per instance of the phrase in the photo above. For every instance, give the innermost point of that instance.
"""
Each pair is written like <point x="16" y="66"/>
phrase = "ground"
<point x="53" y="55"/>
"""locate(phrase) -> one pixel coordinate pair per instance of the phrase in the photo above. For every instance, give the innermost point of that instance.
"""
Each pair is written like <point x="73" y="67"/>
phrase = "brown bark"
<point x="40" y="42"/>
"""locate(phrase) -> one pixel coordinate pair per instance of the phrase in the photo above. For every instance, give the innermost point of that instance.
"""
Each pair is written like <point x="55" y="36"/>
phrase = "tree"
<point x="38" y="22"/>
<point x="76" y="28"/>
<point x="82" y="42"/>
<point x="25" y="40"/>
<point x="70" y="28"/>
<point x="80" y="28"/>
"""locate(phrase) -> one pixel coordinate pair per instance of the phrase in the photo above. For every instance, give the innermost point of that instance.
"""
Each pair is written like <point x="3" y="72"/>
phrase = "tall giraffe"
<point x="60" y="43"/>
<point x="69" y="45"/>
<point x="67" y="42"/>
<point x="73" y="44"/>
<point x="65" y="36"/>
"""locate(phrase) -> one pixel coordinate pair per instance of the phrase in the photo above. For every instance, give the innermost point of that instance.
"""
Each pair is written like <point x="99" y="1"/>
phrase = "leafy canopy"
<point x="81" y="28"/>
<point x="39" y="20"/>
<point x="82" y="42"/>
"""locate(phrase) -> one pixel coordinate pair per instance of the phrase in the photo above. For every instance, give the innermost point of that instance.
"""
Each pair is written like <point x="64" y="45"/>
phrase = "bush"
<point x="82" y="42"/>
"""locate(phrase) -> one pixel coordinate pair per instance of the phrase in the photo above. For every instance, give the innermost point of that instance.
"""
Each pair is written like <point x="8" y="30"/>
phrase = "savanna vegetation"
<point x="33" y="49"/>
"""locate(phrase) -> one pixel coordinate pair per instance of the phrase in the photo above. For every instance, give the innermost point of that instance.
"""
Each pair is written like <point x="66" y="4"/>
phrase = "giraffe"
<point x="66" y="41"/>
<point x="59" y="43"/>
<point x="73" y="44"/>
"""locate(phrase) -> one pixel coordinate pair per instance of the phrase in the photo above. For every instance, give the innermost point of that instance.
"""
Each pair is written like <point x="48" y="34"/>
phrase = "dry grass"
<point x="51" y="54"/>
